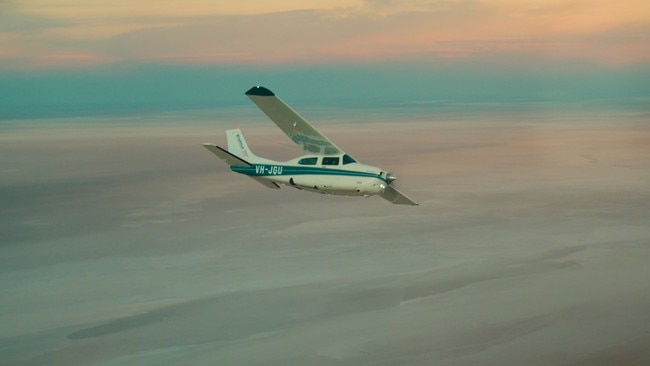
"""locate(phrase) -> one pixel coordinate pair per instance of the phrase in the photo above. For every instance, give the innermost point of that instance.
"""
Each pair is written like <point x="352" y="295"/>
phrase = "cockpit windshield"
<point x="347" y="159"/>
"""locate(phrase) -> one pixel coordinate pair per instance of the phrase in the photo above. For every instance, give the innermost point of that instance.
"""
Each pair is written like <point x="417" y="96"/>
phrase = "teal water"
<point x="156" y="89"/>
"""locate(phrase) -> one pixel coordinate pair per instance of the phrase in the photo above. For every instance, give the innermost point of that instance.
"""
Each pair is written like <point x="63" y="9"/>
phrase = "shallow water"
<point x="125" y="242"/>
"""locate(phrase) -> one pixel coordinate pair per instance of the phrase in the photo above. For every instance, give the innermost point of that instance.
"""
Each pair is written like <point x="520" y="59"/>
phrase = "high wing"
<point x="291" y="123"/>
<point x="393" y="195"/>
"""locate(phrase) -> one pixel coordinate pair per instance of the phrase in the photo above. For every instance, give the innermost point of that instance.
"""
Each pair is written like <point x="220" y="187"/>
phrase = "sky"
<point x="74" y="33"/>
<point x="63" y="55"/>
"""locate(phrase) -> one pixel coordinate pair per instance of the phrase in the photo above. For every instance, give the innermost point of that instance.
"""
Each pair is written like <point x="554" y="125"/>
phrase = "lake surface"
<point x="124" y="242"/>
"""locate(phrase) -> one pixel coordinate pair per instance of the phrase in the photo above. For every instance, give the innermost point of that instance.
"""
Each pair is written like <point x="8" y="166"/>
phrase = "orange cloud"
<point x="284" y="31"/>
<point x="125" y="9"/>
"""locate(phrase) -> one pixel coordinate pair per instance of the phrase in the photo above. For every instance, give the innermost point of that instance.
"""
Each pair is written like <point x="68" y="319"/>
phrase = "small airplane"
<point x="324" y="169"/>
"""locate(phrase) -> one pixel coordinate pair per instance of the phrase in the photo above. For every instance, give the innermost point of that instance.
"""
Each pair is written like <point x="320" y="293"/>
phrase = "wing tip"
<point x="260" y="91"/>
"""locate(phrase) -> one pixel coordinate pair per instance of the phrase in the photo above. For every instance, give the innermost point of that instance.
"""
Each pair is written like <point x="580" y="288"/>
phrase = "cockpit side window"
<point x="331" y="160"/>
<point x="308" y="161"/>
<point x="347" y="159"/>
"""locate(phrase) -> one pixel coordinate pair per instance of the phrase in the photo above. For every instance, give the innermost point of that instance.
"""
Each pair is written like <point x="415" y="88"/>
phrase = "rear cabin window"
<point x="308" y="161"/>
<point x="347" y="159"/>
<point x="331" y="160"/>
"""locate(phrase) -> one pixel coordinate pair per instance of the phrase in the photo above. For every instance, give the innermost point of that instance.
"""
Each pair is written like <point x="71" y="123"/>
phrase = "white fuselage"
<point x="339" y="175"/>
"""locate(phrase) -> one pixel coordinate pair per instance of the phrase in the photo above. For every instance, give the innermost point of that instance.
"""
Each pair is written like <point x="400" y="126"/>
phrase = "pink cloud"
<point x="341" y="31"/>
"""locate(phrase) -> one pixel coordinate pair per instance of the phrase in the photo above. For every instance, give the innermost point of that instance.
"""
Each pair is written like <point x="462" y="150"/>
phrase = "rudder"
<point x="237" y="145"/>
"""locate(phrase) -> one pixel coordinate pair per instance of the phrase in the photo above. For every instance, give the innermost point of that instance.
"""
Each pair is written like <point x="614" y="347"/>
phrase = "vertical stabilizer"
<point x="237" y="145"/>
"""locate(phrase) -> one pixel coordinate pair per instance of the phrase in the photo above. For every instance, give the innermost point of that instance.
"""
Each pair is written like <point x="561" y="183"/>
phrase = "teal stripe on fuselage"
<point x="264" y="170"/>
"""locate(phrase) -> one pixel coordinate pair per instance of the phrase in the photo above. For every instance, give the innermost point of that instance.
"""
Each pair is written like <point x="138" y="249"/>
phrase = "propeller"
<point x="391" y="193"/>
<point x="389" y="177"/>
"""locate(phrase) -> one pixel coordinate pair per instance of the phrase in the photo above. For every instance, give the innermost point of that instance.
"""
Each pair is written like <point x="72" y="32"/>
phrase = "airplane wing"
<point x="393" y="195"/>
<point x="291" y="123"/>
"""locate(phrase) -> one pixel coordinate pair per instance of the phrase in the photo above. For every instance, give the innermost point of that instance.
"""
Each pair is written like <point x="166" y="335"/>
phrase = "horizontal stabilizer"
<point x="393" y="195"/>
<point x="267" y="183"/>
<point x="224" y="155"/>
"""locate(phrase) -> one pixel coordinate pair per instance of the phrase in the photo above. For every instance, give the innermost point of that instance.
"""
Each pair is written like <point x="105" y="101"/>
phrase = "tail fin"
<point x="239" y="155"/>
<point x="237" y="145"/>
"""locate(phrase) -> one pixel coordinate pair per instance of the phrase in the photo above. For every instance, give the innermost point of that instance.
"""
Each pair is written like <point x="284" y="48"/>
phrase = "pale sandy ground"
<point x="127" y="243"/>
